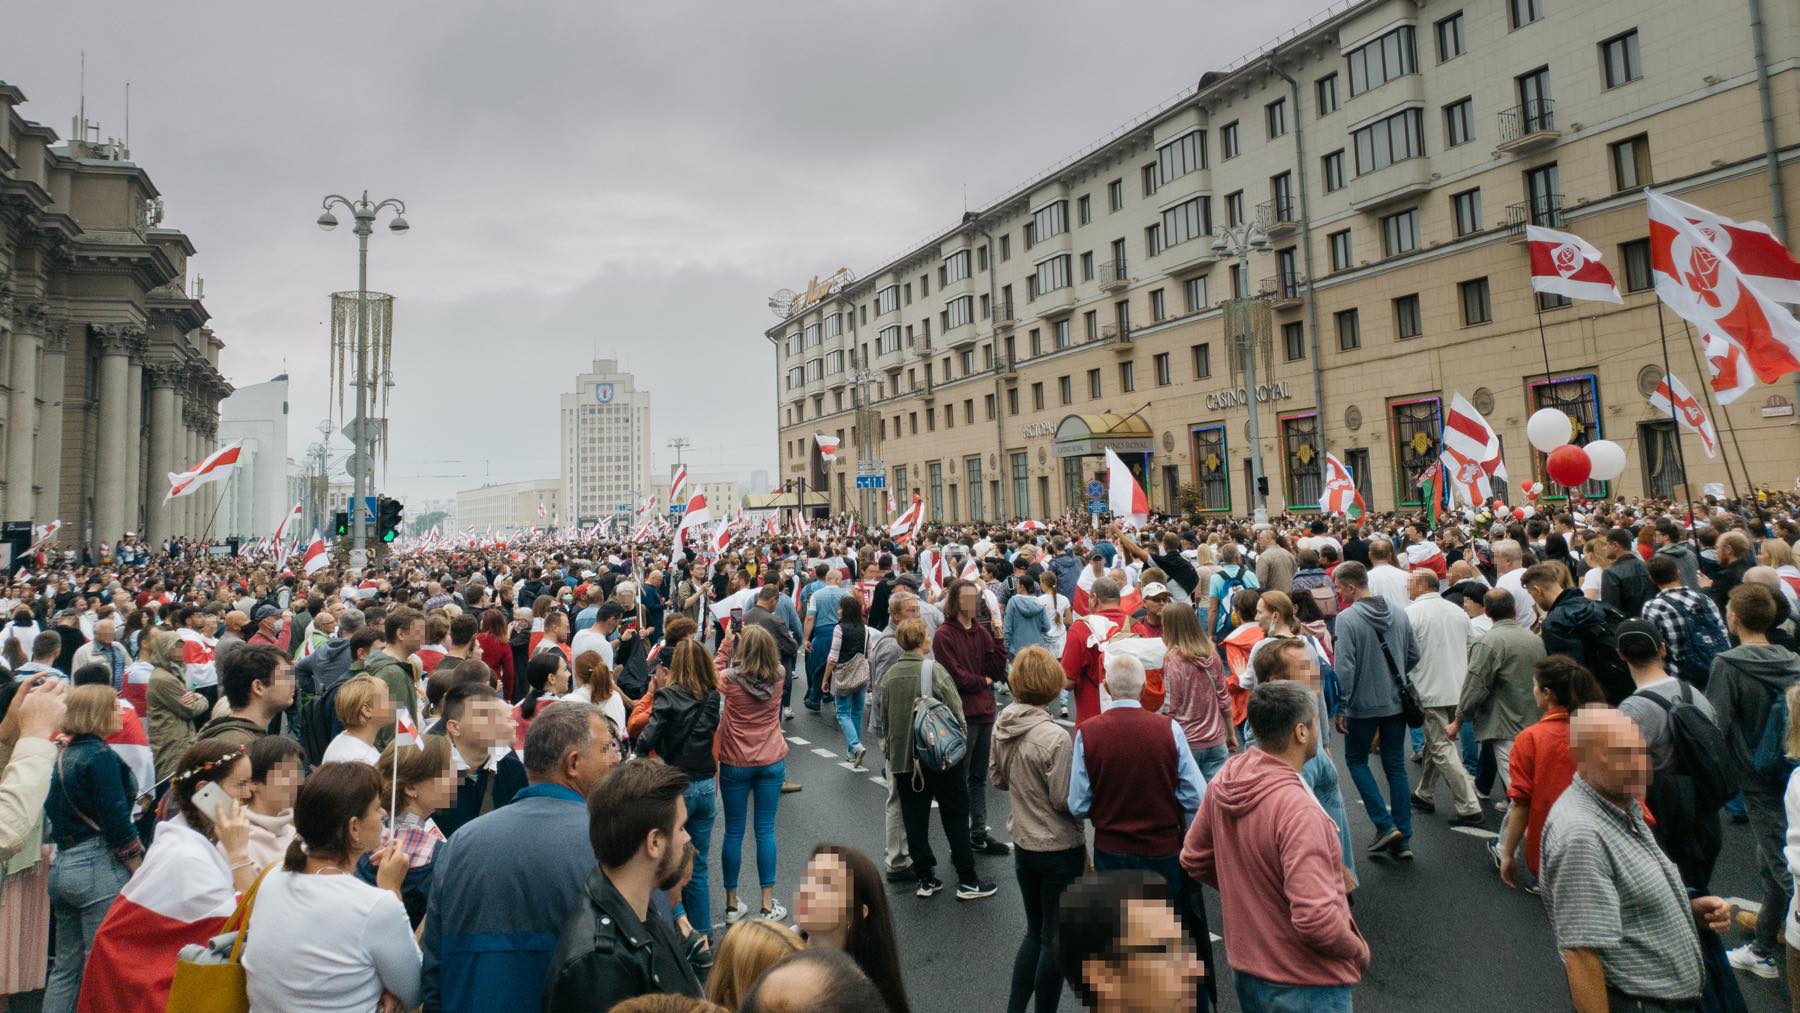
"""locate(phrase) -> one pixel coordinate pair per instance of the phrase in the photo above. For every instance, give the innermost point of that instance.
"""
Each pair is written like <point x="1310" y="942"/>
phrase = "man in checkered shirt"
<point x="1676" y="610"/>
<point x="1622" y="918"/>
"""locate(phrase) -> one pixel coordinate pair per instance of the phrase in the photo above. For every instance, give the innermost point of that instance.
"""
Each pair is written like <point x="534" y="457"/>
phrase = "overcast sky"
<point x="632" y="179"/>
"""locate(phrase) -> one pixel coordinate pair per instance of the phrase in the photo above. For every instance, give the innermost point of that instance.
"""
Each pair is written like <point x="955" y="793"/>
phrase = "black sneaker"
<point x="1422" y="804"/>
<point x="903" y="874"/>
<point x="929" y="885"/>
<point x="989" y="846"/>
<point x="1402" y="850"/>
<point x="1384" y="841"/>
<point x="1472" y="820"/>
<point x="975" y="891"/>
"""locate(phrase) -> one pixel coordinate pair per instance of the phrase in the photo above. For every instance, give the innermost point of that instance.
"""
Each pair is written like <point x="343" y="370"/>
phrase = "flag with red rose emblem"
<point x="1671" y="393"/>
<point x="1730" y="371"/>
<point x="1724" y="278"/>
<point x="1568" y="265"/>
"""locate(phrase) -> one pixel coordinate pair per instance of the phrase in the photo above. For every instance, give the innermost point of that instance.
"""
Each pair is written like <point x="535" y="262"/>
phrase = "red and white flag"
<point x="1124" y="496"/>
<point x="1731" y="372"/>
<point x="773" y="524"/>
<point x="44" y="533"/>
<point x="1029" y="525"/>
<point x="1565" y="264"/>
<point x="1471" y="456"/>
<point x="542" y="513"/>
<point x="1672" y="398"/>
<point x="406" y="730"/>
<point x="971" y="570"/>
<point x="1726" y="279"/>
<point x="197" y="658"/>
<point x="181" y="894"/>
<point x="908" y="522"/>
<point x="678" y="484"/>
<point x="1341" y="495"/>
<point x="892" y="507"/>
<point x="721" y="537"/>
<point x="801" y="525"/>
<point x="695" y="515"/>
<point x="314" y="559"/>
<point x="217" y="467"/>
<point x="280" y="535"/>
<point x="828" y="447"/>
<point x="131" y="745"/>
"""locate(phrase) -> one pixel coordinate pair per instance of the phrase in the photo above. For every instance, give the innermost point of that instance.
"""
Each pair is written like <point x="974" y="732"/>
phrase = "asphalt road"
<point x="1444" y="931"/>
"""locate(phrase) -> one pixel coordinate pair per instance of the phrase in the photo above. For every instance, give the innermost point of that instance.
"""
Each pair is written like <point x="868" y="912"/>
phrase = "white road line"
<point x="826" y="753"/>
<point x="847" y="765"/>
<point x="1215" y="936"/>
<point x="1480" y="832"/>
<point x="1754" y="907"/>
<point x="798" y="741"/>
<point x="880" y="780"/>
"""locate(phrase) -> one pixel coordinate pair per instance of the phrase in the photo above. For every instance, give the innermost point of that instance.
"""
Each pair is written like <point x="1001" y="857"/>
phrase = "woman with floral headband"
<point x="187" y="886"/>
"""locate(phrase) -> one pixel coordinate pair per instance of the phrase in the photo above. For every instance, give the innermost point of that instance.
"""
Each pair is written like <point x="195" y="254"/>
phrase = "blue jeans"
<point x="736" y="785"/>
<point x="1259" y="995"/>
<point x="815" y="665"/>
<point x="1417" y="737"/>
<point x="1393" y="731"/>
<point x="1210" y="759"/>
<point x="84" y="879"/>
<point x="702" y="809"/>
<point x="850" y="717"/>
<point x="1471" y="749"/>
<point x="1320" y="774"/>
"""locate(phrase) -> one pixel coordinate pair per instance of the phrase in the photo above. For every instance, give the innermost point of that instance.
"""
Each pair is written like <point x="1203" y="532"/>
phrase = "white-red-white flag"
<point x="1471" y="454"/>
<point x="281" y="539"/>
<point x="1341" y="495"/>
<point x="908" y="522"/>
<point x="828" y="447"/>
<point x="1694" y="258"/>
<point x="1565" y="264"/>
<point x="801" y="524"/>
<point x="721" y="537"/>
<point x="892" y="507"/>
<point x="1671" y="397"/>
<point x="314" y="558"/>
<point x="1124" y="496"/>
<point x="1730" y="371"/>
<point x="215" y="467"/>
<point x="542" y="513"/>
<point x="678" y="484"/>
<point x="695" y="515"/>
<point x="406" y="730"/>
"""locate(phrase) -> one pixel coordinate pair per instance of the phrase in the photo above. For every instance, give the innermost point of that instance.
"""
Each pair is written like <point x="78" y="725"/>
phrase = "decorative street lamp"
<point x="1239" y="241"/>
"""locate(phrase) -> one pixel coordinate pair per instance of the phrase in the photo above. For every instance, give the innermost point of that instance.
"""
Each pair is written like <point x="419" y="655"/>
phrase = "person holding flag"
<point x="418" y="780"/>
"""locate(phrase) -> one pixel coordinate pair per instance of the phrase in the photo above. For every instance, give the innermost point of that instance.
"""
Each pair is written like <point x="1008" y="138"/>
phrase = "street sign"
<point x="871" y="481"/>
<point x="871" y="468"/>
<point x="1096" y="506"/>
<point x="676" y="508"/>
<point x="1095" y="490"/>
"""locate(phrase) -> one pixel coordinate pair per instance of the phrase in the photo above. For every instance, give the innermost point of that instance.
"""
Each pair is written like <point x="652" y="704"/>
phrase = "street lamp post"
<point x="364" y="212"/>
<point x="1239" y="241"/>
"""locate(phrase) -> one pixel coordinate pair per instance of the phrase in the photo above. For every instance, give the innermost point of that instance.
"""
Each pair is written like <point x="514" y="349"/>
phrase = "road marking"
<point x="1215" y="936"/>
<point x="1754" y="907"/>
<point x="798" y="741"/>
<point x="847" y="765"/>
<point x="880" y="780"/>
<point x="1480" y="832"/>
<point x="826" y="753"/>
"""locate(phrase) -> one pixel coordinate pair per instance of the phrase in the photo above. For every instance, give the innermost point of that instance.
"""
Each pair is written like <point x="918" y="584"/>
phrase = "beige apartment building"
<point x="512" y="505"/>
<point x="1389" y="153"/>
<point x="111" y="376"/>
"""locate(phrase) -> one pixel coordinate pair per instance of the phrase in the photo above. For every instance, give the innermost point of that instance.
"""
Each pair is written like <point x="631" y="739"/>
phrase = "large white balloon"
<point x="1548" y="429"/>
<point x="1608" y="459"/>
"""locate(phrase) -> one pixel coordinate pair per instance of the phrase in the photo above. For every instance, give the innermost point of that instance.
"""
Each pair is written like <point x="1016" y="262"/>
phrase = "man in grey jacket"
<point x="1369" y="703"/>
<point x="1497" y="695"/>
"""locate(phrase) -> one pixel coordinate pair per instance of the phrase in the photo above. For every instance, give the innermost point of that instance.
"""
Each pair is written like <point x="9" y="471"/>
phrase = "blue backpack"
<point x="1700" y="642"/>
<point x="939" y="741"/>
<point x="1768" y="754"/>
<point x="1225" y="622"/>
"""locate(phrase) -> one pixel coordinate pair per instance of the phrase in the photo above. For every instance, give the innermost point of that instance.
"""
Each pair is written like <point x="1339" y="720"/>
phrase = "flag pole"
<point x="1718" y="410"/>
<point x="1687" y="488"/>
<point x="394" y="802"/>
<point x="220" y="501"/>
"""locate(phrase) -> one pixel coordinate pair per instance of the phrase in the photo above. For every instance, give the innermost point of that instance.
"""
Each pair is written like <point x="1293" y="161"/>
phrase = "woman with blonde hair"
<point x="364" y="707"/>
<point x="1032" y="758"/>
<point x="748" y="949"/>
<point x="752" y="759"/>
<point x="172" y="704"/>
<point x="1194" y="681"/>
<point x="684" y="719"/>
<point x="597" y="684"/>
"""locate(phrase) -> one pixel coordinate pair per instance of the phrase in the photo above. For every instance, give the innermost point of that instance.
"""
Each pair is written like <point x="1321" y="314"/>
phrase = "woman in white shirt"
<point x="594" y="684"/>
<point x="292" y="967"/>
<point x="365" y="708"/>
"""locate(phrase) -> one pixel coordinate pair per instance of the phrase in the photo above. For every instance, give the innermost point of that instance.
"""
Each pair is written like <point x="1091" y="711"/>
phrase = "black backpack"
<point x="1686" y="796"/>
<point x="319" y="723"/>
<point x="1600" y="643"/>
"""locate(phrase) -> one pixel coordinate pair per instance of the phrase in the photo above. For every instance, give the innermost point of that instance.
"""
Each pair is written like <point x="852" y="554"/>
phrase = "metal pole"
<point x="1312" y="304"/>
<point x="1259" y="506"/>
<point x="1771" y="153"/>
<point x="359" y="545"/>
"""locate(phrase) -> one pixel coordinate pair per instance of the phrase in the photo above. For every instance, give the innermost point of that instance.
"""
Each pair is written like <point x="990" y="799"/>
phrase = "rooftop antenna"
<point x="128" y="119"/>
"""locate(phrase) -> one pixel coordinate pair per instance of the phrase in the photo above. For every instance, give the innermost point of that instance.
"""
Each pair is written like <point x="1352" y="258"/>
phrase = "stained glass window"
<point x="1212" y="472"/>
<point x="1417" y="427"/>
<point x="1300" y="454"/>
<point x="1578" y="397"/>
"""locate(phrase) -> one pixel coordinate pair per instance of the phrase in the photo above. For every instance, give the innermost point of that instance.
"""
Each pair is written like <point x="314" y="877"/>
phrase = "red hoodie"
<point x="1261" y="832"/>
<point x="1084" y="666"/>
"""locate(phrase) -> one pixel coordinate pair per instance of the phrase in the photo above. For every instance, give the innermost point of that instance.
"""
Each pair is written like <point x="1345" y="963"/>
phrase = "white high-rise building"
<point x="605" y="444"/>
<point x="255" y="499"/>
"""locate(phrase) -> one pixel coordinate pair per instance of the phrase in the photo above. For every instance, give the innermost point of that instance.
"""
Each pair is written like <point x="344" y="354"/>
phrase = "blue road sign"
<point x="871" y="481"/>
<point x="1095" y="490"/>
<point x="1096" y="506"/>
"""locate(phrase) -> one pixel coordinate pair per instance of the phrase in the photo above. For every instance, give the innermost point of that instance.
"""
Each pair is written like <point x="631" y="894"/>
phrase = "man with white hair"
<point x="1509" y="570"/>
<point x="1135" y="779"/>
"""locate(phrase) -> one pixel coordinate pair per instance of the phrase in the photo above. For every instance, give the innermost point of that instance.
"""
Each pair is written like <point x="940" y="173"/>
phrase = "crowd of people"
<point x="497" y="771"/>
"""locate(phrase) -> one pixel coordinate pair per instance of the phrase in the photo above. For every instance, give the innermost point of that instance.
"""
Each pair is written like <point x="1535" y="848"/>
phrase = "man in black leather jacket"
<point x="615" y="945"/>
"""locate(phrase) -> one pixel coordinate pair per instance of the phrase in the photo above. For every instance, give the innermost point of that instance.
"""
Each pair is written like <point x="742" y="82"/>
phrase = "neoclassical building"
<point x="110" y="376"/>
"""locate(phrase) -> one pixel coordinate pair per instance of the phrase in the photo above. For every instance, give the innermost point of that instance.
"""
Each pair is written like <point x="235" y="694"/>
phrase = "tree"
<point x="425" y="522"/>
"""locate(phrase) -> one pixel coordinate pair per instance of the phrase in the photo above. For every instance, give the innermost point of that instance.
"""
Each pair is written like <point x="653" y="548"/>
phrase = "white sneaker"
<point x="1744" y="958"/>
<point x="774" y="913"/>
<point x="732" y="914"/>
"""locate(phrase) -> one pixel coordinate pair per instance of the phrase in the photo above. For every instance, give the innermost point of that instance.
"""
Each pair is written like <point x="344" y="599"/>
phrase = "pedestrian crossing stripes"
<point x="1484" y="834"/>
<point x="798" y="741"/>
<point x="826" y="753"/>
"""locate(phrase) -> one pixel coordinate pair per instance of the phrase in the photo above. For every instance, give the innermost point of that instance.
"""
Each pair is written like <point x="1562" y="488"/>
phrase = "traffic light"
<point x="387" y="523"/>
<point x="340" y="521"/>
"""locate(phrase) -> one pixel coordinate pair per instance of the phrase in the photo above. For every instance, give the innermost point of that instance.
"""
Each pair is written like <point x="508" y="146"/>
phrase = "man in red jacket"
<point x="1083" y="665"/>
<point x="1263" y="841"/>
<point x="975" y="660"/>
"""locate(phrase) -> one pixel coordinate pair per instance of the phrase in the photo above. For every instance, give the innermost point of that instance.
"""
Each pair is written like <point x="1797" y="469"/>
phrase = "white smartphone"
<point x="210" y="800"/>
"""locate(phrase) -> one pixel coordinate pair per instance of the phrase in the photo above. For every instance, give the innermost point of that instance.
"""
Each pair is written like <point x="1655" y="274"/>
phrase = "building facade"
<point x="257" y="497"/>
<point x="111" y="374"/>
<point x="724" y="493"/>
<point x="511" y="506"/>
<point x="605" y="444"/>
<point x="1390" y="153"/>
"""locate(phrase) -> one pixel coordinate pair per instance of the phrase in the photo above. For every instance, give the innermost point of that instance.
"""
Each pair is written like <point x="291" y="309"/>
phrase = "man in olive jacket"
<point x="1497" y="694"/>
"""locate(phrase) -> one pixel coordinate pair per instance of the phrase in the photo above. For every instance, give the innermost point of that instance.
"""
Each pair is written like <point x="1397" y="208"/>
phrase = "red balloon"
<point x="1568" y="465"/>
<point x="1499" y="504"/>
<point x="1518" y="513"/>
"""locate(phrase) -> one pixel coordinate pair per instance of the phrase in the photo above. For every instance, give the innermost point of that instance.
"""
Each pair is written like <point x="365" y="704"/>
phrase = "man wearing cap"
<point x="1691" y="839"/>
<point x="274" y="628"/>
<point x="1157" y="597"/>
<point x="231" y="637"/>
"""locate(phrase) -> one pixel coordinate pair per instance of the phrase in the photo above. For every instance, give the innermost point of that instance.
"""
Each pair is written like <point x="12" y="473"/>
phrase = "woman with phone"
<point x="289" y="964"/>
<point x="187" y="886"/>
<point x="89" y="809"/>
<point x="684" y="718"/>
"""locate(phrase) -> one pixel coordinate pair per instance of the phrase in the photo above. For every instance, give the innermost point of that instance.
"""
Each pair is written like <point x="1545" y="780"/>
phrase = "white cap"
<point x="1154" y="589"/>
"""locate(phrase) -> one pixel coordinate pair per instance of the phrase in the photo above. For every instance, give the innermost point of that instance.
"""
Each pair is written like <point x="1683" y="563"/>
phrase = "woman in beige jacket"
<point x="173" y="706"/>
<point x="1032" y="755"/>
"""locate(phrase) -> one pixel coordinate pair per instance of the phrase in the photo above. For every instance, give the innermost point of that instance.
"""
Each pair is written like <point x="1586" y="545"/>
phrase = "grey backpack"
<point x="939" y="740"/>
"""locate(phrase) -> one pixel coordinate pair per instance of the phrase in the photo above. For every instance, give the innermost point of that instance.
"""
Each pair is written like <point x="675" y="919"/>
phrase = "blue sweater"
<point x="501" y="889"/>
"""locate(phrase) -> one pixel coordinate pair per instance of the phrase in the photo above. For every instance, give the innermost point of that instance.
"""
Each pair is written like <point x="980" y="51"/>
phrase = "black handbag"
<point x="1410" y="707"/>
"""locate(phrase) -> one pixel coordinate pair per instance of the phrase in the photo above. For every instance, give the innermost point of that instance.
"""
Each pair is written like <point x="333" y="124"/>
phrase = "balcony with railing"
<point x="1283" y="291"/>
<point x="1544" y="209"/>
<point x="1004" y="316"/>
<point x="1113" y="275"/>
<point x="1528" y="126"/>
<point x="1279" y="218"/>
<point x="1117" y="335"/>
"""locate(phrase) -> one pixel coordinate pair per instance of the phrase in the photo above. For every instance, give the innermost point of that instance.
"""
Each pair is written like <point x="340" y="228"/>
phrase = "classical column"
<point x="21" y="408"/>
<point x="192" y="516"/>
<point x="50" y="423"/>
<point x="114" y="342"/>
<point x="164" y="419"/>
<point x="134" y="435"/>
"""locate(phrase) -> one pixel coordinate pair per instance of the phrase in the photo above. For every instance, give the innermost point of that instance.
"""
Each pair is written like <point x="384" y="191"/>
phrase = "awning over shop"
<point x="1084" y="435"/>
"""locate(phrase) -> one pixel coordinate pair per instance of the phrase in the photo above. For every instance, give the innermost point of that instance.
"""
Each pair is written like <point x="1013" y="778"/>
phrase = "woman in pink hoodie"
<point x="1264" y="843"/>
